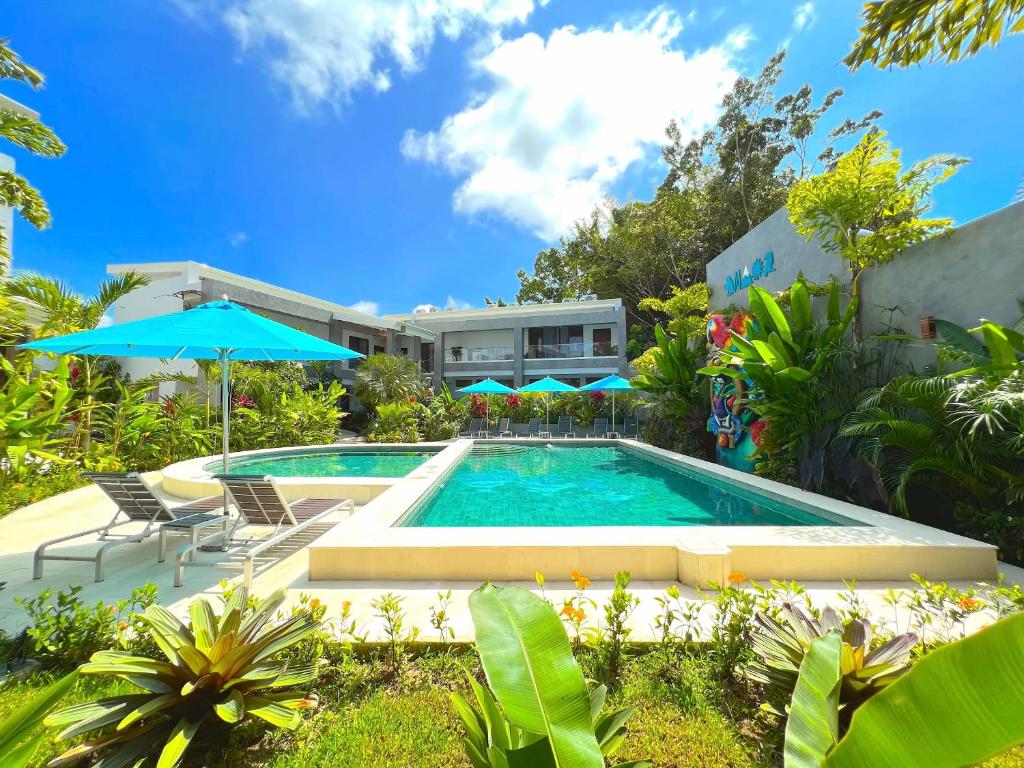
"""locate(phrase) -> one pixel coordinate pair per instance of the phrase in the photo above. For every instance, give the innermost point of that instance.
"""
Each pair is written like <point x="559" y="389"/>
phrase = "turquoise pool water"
<point x="333" y="463"/>
<point x="556" y="485"/>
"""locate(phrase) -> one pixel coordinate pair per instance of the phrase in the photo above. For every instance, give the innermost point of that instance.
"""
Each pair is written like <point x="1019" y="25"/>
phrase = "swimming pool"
<point x="348" y="462"/>
<point x="575" y="485"/>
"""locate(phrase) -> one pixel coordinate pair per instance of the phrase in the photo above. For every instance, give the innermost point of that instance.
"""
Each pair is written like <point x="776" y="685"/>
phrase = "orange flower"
<point x="568" y="610"/>
<point x="970" y="604"/>
<point x="314" y="603"/>
<point x="346" y="606"/>
<point x="122" y="625"/>
<point x="737" y="578"/>
<point x="579" y="615"/>
<point x="575" y="574"/>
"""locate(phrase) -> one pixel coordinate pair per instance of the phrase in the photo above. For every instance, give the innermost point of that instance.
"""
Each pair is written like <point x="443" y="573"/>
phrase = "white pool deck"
<point x="421" y="578"/>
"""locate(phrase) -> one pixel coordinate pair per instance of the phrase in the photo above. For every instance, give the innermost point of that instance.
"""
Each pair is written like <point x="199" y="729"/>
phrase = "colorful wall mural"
<point x="737" y="428"/>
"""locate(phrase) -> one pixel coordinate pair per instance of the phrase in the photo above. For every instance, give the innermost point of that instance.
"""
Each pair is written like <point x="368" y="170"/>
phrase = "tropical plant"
<point x="866" y="667"/>
<point x="868" y="209"/>
<point x="394" y="423"/>
<point x="219" y="668"/>
<point x="671" y="380"/>
<point x="802" y="381"/>
<point x="545" y="716"/>
<point x="385" y="379"/>
<point x="33" y="411"/>
<point x="23" y="129"/>
<point x="959" y="705"/>
<point x="687" y="308"/>
<point x="905" y="32"/>
<point x="286" y="414"/>
<point x="66" y="311"/>
<point x="19" y="740"/>
<point x="129" y="430"/>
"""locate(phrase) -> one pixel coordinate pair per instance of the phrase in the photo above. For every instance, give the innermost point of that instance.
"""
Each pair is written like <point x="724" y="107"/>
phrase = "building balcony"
<point x="477" y="354"/>
<point x="571" y="350"/>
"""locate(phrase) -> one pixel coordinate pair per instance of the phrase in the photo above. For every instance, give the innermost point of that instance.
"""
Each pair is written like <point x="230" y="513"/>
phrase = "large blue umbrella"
<point x="219" y="330"/>
<point x="613" y="384"/>
<point x="548" y="385"/>
<point x="487" y="387"/>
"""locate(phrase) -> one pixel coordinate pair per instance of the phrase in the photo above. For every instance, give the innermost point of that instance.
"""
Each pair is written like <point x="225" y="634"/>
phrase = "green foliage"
<point x="65" y="632"/>
<point x="394" y="423"/>
<point x="671" y="380"/>
<point x="29" y="134"/>
<point x="867" y="208"/>
<point x="383" y="379"/>
<point x="905" y="32"/>
<point x="219" y="668"/>
<point x="285" y="414"/>
<point x="812" y="728"/>
<point x="34" y="406"/>
<point x="530" y="668"/>
<point x="614" y="634"/>
<point x="958" y="705"/>
<point x="558" y="274"/>
<point x="687" y="308"/>
<point x="18" y="740"/>
<point x="37" y="481"/>
<point x="866" y="667"/>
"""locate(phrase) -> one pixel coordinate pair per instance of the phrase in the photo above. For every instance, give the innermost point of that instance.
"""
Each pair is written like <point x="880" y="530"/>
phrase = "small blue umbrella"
<point x="218" y="330"/>
<point x="613" y="384"/>
<point x="548" y="385"/>
<point x="487" y="387"/>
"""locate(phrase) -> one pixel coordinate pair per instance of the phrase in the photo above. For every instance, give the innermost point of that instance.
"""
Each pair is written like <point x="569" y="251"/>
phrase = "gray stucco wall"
<point x="974" y="272"/>
<point x="792" y="255"/>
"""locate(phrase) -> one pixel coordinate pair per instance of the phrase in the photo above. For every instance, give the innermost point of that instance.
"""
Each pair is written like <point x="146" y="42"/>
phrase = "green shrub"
<point x="65" y="632"/>
<point x="394" y="423"/>
<point x="218" y="669"/>
<point x="382" y="379"/>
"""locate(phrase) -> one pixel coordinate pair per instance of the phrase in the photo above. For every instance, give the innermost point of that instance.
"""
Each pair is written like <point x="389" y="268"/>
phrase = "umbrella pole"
<point x="547" y="418"/>
<point x="225" y="418"/>
<point x="613" y="410"/>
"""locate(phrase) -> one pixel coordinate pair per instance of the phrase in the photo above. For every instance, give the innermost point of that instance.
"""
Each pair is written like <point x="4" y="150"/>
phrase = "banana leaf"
<point x="530" y="667"/>
<point x="813" y="725"/>
<point x="959" y="705"/>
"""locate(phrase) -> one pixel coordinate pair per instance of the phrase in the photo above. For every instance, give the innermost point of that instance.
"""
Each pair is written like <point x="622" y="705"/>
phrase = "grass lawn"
<point x="367" y="719"/>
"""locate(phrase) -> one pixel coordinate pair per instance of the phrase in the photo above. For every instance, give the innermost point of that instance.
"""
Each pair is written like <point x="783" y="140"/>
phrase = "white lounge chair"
<point x="259" y="502"/>
<point x="136" y="503"/>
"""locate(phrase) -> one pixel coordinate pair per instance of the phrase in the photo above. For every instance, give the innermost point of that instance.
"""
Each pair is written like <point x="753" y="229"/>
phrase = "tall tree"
<point x="28" y="133"/>
<point x="867" y="208"/>
<point x="904" y="32"/>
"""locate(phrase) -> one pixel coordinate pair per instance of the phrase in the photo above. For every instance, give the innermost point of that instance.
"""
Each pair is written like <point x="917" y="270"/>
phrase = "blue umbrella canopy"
<point x="608" y="384"/>
<point x="547" y="384"/>
<point x="487" y="387"/>
<point x="613" y="384"/>
<point x="218" y="330"/>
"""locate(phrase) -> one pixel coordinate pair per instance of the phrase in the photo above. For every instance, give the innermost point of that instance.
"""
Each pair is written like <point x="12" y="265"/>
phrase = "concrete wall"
<point x="791" y="256"/>
<point x="974" y="272"/>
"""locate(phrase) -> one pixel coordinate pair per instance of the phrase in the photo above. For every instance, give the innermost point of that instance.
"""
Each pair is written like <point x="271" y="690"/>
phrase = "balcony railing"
<point x="477" y="354"/>
<point x="571" y="350"/>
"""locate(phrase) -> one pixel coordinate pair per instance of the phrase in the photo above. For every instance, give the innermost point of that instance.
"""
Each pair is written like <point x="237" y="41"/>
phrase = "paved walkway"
<point x="132" y="565"/>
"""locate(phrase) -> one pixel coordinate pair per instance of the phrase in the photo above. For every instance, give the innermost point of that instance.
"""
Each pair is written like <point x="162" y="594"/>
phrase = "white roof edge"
<point x="6" y="102"/>
<point x="518" y="309"/>
<point x="339" y="311"/>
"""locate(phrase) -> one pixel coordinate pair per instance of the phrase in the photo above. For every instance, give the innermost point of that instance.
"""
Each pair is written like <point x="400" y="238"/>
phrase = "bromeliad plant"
<point x="782" y="644"/>
<point x="218" y="669"/>
<point x="540" y="713"/>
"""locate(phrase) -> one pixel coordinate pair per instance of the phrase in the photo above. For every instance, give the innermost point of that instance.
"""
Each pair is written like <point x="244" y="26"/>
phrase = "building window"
<point x="460" y="383"/>
<point x="378" y="349"/>
<point x="602" y="346"/>
<point x="427" y="356"/>
<point x="360" y="345"/>
<point x="559" y="341"/>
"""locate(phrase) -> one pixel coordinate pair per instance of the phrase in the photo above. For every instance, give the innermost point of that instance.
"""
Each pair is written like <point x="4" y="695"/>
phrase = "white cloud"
<point x="237" y="239"/>
<point x="323" y="50"/>
<point x="454" y="303"/>
<point x="804" y="17"/>
<point x="366" y="307"/>
<point x="563" y="118"/>
<point x="106" y="320"/>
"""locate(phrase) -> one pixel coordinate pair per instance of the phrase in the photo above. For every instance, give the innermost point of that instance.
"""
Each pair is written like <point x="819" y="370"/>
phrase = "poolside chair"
<point x="504" y="428"/>
<point x="259" y="502"/>
<point x="564" y="428"/>
<point x="533" y="428"/>
<point x="600" y="428"/>
<point x="631" y="429"/>
<point x="473" y="429"/>
<point x="136" y="503"/>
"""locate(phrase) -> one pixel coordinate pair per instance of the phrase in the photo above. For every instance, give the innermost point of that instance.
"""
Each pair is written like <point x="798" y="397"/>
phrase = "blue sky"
<point x="396" y="154"/>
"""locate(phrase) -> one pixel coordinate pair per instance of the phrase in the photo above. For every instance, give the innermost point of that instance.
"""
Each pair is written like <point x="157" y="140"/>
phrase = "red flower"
<point x="597" y="396"/>
<point x="244" y="401"/>
<point x="411" y="398"/>
<point x="757" y="430"/>
<point x="169" y="406"/>
<point x="74" y="372"/>
<point x="512" y="400"/>
<point x="477" y="405"/>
